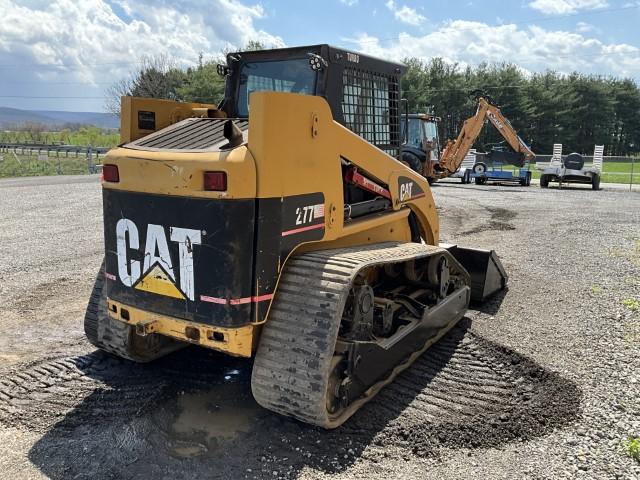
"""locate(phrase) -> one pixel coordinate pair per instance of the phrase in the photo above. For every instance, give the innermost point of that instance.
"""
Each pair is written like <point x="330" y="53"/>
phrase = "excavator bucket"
<point x="487" y="273"/>
<point x="512" y="158"/>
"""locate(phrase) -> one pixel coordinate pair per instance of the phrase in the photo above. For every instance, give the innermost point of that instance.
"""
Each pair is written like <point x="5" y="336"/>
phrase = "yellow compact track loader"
<point x="280" y="225"/>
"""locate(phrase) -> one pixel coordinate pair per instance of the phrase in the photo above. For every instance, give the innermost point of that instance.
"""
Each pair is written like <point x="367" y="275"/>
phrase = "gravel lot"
<point x="543" y="382"/>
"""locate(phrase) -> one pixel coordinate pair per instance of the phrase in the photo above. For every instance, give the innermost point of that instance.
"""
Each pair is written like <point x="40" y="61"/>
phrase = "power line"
<point x="58" y="83"/>
<point x="201" y="99"/>
<point x="51" y="97"/>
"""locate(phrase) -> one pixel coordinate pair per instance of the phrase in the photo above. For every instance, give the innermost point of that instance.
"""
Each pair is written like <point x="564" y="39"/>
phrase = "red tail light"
<point x="110" y="173"/>
<point x="215" y="181"/>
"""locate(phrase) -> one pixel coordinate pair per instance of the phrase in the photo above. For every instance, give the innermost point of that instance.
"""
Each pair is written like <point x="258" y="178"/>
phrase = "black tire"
<point x="480" y="180"/>
<point x="119" y="338"/>
<point x="413" y="161"/>
<point x="595" y="182"/>
<point x="479" y="168"/>
<point x="544" y="181"/>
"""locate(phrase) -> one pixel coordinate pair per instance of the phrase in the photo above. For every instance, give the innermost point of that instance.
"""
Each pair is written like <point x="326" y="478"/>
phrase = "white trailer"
<point x="571" y="169"/>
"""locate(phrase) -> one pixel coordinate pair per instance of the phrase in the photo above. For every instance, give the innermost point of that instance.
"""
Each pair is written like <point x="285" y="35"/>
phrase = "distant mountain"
<point x="12" y="117"/>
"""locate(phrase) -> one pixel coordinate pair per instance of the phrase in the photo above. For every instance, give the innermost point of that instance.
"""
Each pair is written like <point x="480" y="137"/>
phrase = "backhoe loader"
<point x="421" y="149"/>
<point x="280" y="225"/>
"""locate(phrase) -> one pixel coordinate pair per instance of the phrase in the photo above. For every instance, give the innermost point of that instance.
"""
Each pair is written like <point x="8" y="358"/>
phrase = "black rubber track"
<point x="292" y="365"/>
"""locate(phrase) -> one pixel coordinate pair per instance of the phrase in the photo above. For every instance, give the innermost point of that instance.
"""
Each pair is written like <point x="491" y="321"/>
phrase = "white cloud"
<point x="349" y="3"/>
<point x="405" y="14"/>
<point x="533" y="49"/>
<point x="62" y="41"/>
<point x="563" y="7"/>
<point x="584" y="27"/>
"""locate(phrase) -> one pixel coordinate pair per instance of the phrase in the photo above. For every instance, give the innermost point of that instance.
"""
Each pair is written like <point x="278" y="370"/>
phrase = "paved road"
<point x="541" y="383"/>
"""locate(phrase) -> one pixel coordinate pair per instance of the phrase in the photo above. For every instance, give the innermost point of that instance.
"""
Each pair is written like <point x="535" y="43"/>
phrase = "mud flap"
<point x="487" y="273"/>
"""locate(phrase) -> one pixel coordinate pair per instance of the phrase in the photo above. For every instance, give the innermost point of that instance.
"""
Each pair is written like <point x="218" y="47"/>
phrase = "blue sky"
<point x="63" y="54"/>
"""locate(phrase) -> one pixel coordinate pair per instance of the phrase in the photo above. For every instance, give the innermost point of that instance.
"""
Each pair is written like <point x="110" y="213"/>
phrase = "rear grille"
<point x="193" y="134"/>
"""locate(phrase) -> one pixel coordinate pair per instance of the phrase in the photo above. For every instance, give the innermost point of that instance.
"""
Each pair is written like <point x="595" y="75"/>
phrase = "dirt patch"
<point x="500" y="220"/>
<point x="196" y="407"/>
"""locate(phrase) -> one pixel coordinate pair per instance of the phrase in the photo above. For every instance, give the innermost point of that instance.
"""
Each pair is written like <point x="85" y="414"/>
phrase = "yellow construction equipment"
<point x="421" y="150"/>
<point x="281" y="225"/>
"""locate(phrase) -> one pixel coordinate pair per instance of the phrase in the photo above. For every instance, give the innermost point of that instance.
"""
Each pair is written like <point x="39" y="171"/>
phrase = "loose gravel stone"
<point x="540" y="382"/>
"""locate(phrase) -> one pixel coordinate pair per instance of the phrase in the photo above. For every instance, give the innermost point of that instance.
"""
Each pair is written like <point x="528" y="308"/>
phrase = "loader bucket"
<point x="484" y="267"/>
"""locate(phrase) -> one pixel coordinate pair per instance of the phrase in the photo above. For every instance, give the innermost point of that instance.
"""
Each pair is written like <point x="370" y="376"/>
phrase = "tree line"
<point x="576" y="110"/>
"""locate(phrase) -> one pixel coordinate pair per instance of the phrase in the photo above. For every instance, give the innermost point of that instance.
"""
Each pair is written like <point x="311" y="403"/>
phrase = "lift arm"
<point x="455" y="151"/>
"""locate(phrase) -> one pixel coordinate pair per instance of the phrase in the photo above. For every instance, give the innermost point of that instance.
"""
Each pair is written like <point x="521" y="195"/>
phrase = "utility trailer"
<point x="481" y="173"/>
<point x="572" y="169"/>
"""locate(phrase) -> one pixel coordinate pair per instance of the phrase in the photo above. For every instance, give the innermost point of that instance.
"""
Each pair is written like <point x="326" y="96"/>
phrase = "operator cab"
<point x="421" y="143"/>
<point x="362" y="91"/>
<point x="420" y="128"/>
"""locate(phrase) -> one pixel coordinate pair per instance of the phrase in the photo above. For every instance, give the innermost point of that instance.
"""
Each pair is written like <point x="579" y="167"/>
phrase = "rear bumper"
<point x="240" y="342"/>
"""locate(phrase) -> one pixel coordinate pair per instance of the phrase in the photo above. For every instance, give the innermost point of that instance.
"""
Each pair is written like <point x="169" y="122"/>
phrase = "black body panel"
<point x="282" y="225"/>
<point x="233" y="266"/>
<point x="222" y="261"/>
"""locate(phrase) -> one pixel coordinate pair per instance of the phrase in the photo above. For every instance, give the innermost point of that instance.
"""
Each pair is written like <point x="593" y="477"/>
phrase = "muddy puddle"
<point x="206" y="420"/>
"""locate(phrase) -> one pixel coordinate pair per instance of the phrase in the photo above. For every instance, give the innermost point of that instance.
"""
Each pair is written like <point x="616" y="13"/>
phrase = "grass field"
<point x="25" y="166"/>
<point x="85" y="136"/>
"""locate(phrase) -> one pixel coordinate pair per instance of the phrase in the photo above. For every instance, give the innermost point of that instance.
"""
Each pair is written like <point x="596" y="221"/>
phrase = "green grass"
<point x="632" y="447"/>
<point x="26" y="166"/>
<point x="596" y="290"/>
<point x="84" y="136"/>
<point x="631" y="304"/>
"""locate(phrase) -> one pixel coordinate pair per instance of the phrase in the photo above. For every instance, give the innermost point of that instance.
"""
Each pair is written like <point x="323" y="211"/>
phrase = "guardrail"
<point x="47" y="159"/>
<point x="27" y="148"/>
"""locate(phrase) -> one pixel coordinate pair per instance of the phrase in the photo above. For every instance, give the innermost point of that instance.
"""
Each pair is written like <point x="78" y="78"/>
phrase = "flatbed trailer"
<point x="482" y="174"/>
<point x="571" y="169"/>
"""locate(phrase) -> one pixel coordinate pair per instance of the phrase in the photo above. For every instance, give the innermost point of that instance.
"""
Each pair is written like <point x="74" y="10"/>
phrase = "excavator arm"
<point x="455" y="151"/>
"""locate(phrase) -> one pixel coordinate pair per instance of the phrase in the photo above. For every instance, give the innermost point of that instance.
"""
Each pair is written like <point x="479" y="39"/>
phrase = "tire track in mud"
<point x="467" y="392"/>
<point x="463" y="392"/>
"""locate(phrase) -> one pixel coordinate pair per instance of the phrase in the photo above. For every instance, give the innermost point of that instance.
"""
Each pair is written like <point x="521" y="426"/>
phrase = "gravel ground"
<point x="542" y="382"/>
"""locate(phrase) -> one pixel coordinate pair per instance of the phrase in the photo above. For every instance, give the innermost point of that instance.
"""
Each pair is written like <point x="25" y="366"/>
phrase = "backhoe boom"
<point x="455" y="151"/>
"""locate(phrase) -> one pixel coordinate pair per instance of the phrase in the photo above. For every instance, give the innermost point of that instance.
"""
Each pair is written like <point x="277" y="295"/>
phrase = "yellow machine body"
<point x="293" y="147"/>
